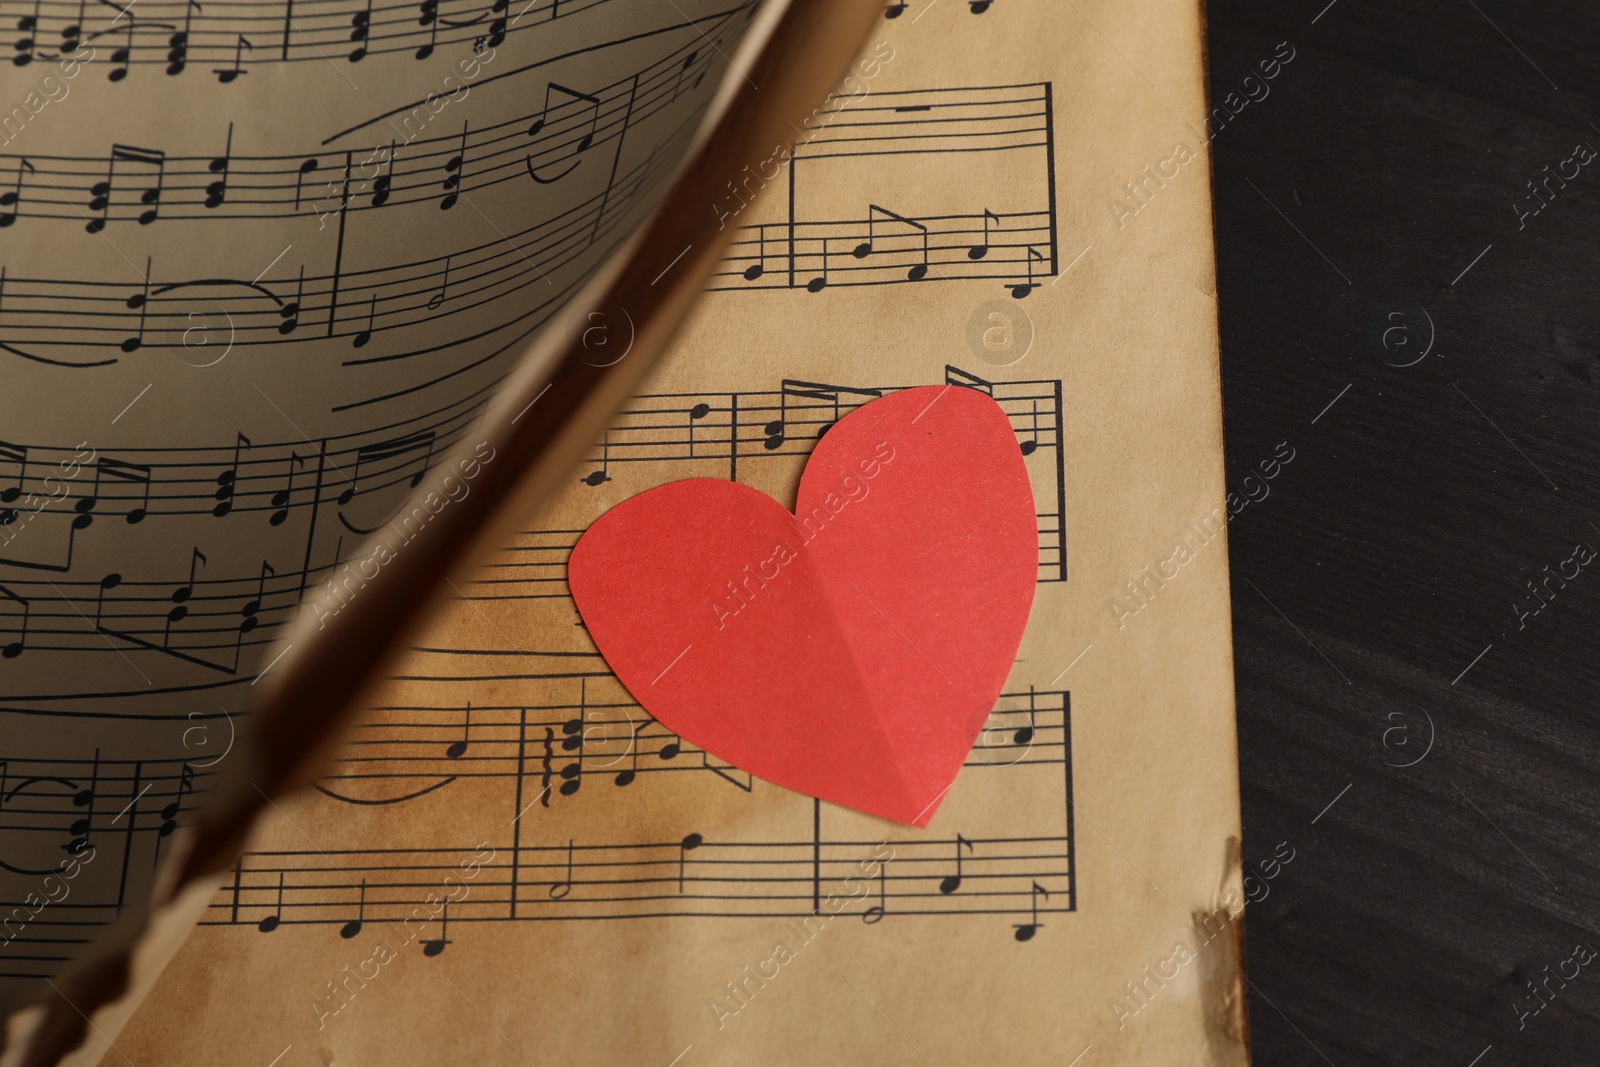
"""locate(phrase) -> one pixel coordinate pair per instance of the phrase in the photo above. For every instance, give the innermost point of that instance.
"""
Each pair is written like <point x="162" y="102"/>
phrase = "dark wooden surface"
<point x="1393" y="550"/>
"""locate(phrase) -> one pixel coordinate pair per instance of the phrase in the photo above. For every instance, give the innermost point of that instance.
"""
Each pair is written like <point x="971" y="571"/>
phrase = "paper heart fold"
<point x="853" y="649"/>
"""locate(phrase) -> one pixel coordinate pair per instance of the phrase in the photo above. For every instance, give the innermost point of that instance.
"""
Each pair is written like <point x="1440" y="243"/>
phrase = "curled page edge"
<point x="121" y="966"/>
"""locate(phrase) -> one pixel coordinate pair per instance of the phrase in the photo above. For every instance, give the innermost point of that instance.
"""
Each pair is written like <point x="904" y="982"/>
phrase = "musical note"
<point x="444" y="287"/>
<point x="422" y="440"/>
<point x="353" y="927"/>
<point x="181" y="595"/>
<point x="979" y="251"/>
<point x="434" y="946"/>
<point x="688" y="62"/>
<point x="978" y="7"/>
<point x="228" y="478"/>
<point x="1029" y="446"/>
<point x="116" y="470"/>
<point x="458" y="749"/>
<point x="72" y="32"/>
<point x="18" y="631"/>
<point x="1025" y="931"/>
<point x="169" y="814"/>
<point x="881" y="908"/>
<point x="290" y="312"/>
<point x="17" y="454"/>
<point x="280" y="499"/>
<point x="759" y="267"/>
<point x="228" y="74"/>
<point x="895" y="10"/>
<point x="696" y="413"/>
<point x="178" y="43"/>
<point x="777" y="430"/>
<point x="592" y="104"/>
<point x="820" y="282"/>
<point x="84" y="798"/>
<point x="597" y="477"/>
<point x="953" y="882"/>
<point x="1020" y="291"/>
<point x="865" y="248"/>
<point x="138" y="302"/>
<point x="28" y="24"/>
<point x="217" y="191"/>
<point x="305" y="168"/>
<point x="361" y="25"/>
<point x="365" y="335"/>
<point x="497" y="28"/>
<point x="559" y="890"/>
<point x="455" y="168"/>
<point x="100" y="192"/>
<point x="384" y="181"/>
<point x="1024" y="734"/>
<point x="627" y="777"/>
<point x="429" y="17"/>
<point x="253" y="607"/>
<point x="271" y="922"/>
<point x="686" y="846"/>
<point x="121" y="56"/>
<point x="13" y="198"/>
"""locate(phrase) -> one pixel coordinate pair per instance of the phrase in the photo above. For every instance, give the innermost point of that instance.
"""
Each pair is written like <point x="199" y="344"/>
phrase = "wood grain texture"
<point x="1390" y="553"/>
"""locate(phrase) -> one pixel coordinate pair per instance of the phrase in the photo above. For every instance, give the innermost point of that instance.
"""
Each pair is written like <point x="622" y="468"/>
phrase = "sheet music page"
<point x="513" y="863"/>
<point x="261" y="265"/>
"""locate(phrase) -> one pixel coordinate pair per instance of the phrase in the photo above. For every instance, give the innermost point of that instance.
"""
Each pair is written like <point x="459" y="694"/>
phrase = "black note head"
<point x="917" y="273"/>
<point x="862" y="250"/>
<point x="12" y="651"/>
<point x="699" y="411"/>
<point x="350" y="929"/>
<point x="595" y="478"/>
<point x="816" y="285"/>
<point x="111" y="581"/>
<point x="456" y="750"/>
<point x="625" y="777"/>
<point x="750" y="273"/>
<point x="269" y="924"/>
<point x="348" y="495"/>
<point x="693" y="841"/>
<point x="135" y="517"/>
<point x="1018" y="292"/>
<point x="1026" y="931"/>
<point x="433" y="948"/>
<point x="1028" y="448"/>
<point x="8" y="516"/>
<point x="670" y="750"/>
<point x="950" y="884"/>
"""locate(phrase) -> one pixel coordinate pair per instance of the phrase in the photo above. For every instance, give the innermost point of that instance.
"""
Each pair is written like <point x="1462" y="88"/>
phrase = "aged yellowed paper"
<point x="512" y="863"/>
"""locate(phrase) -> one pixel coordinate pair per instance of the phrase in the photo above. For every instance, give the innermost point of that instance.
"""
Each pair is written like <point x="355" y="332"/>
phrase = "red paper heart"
<point x="852" y="653"/>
